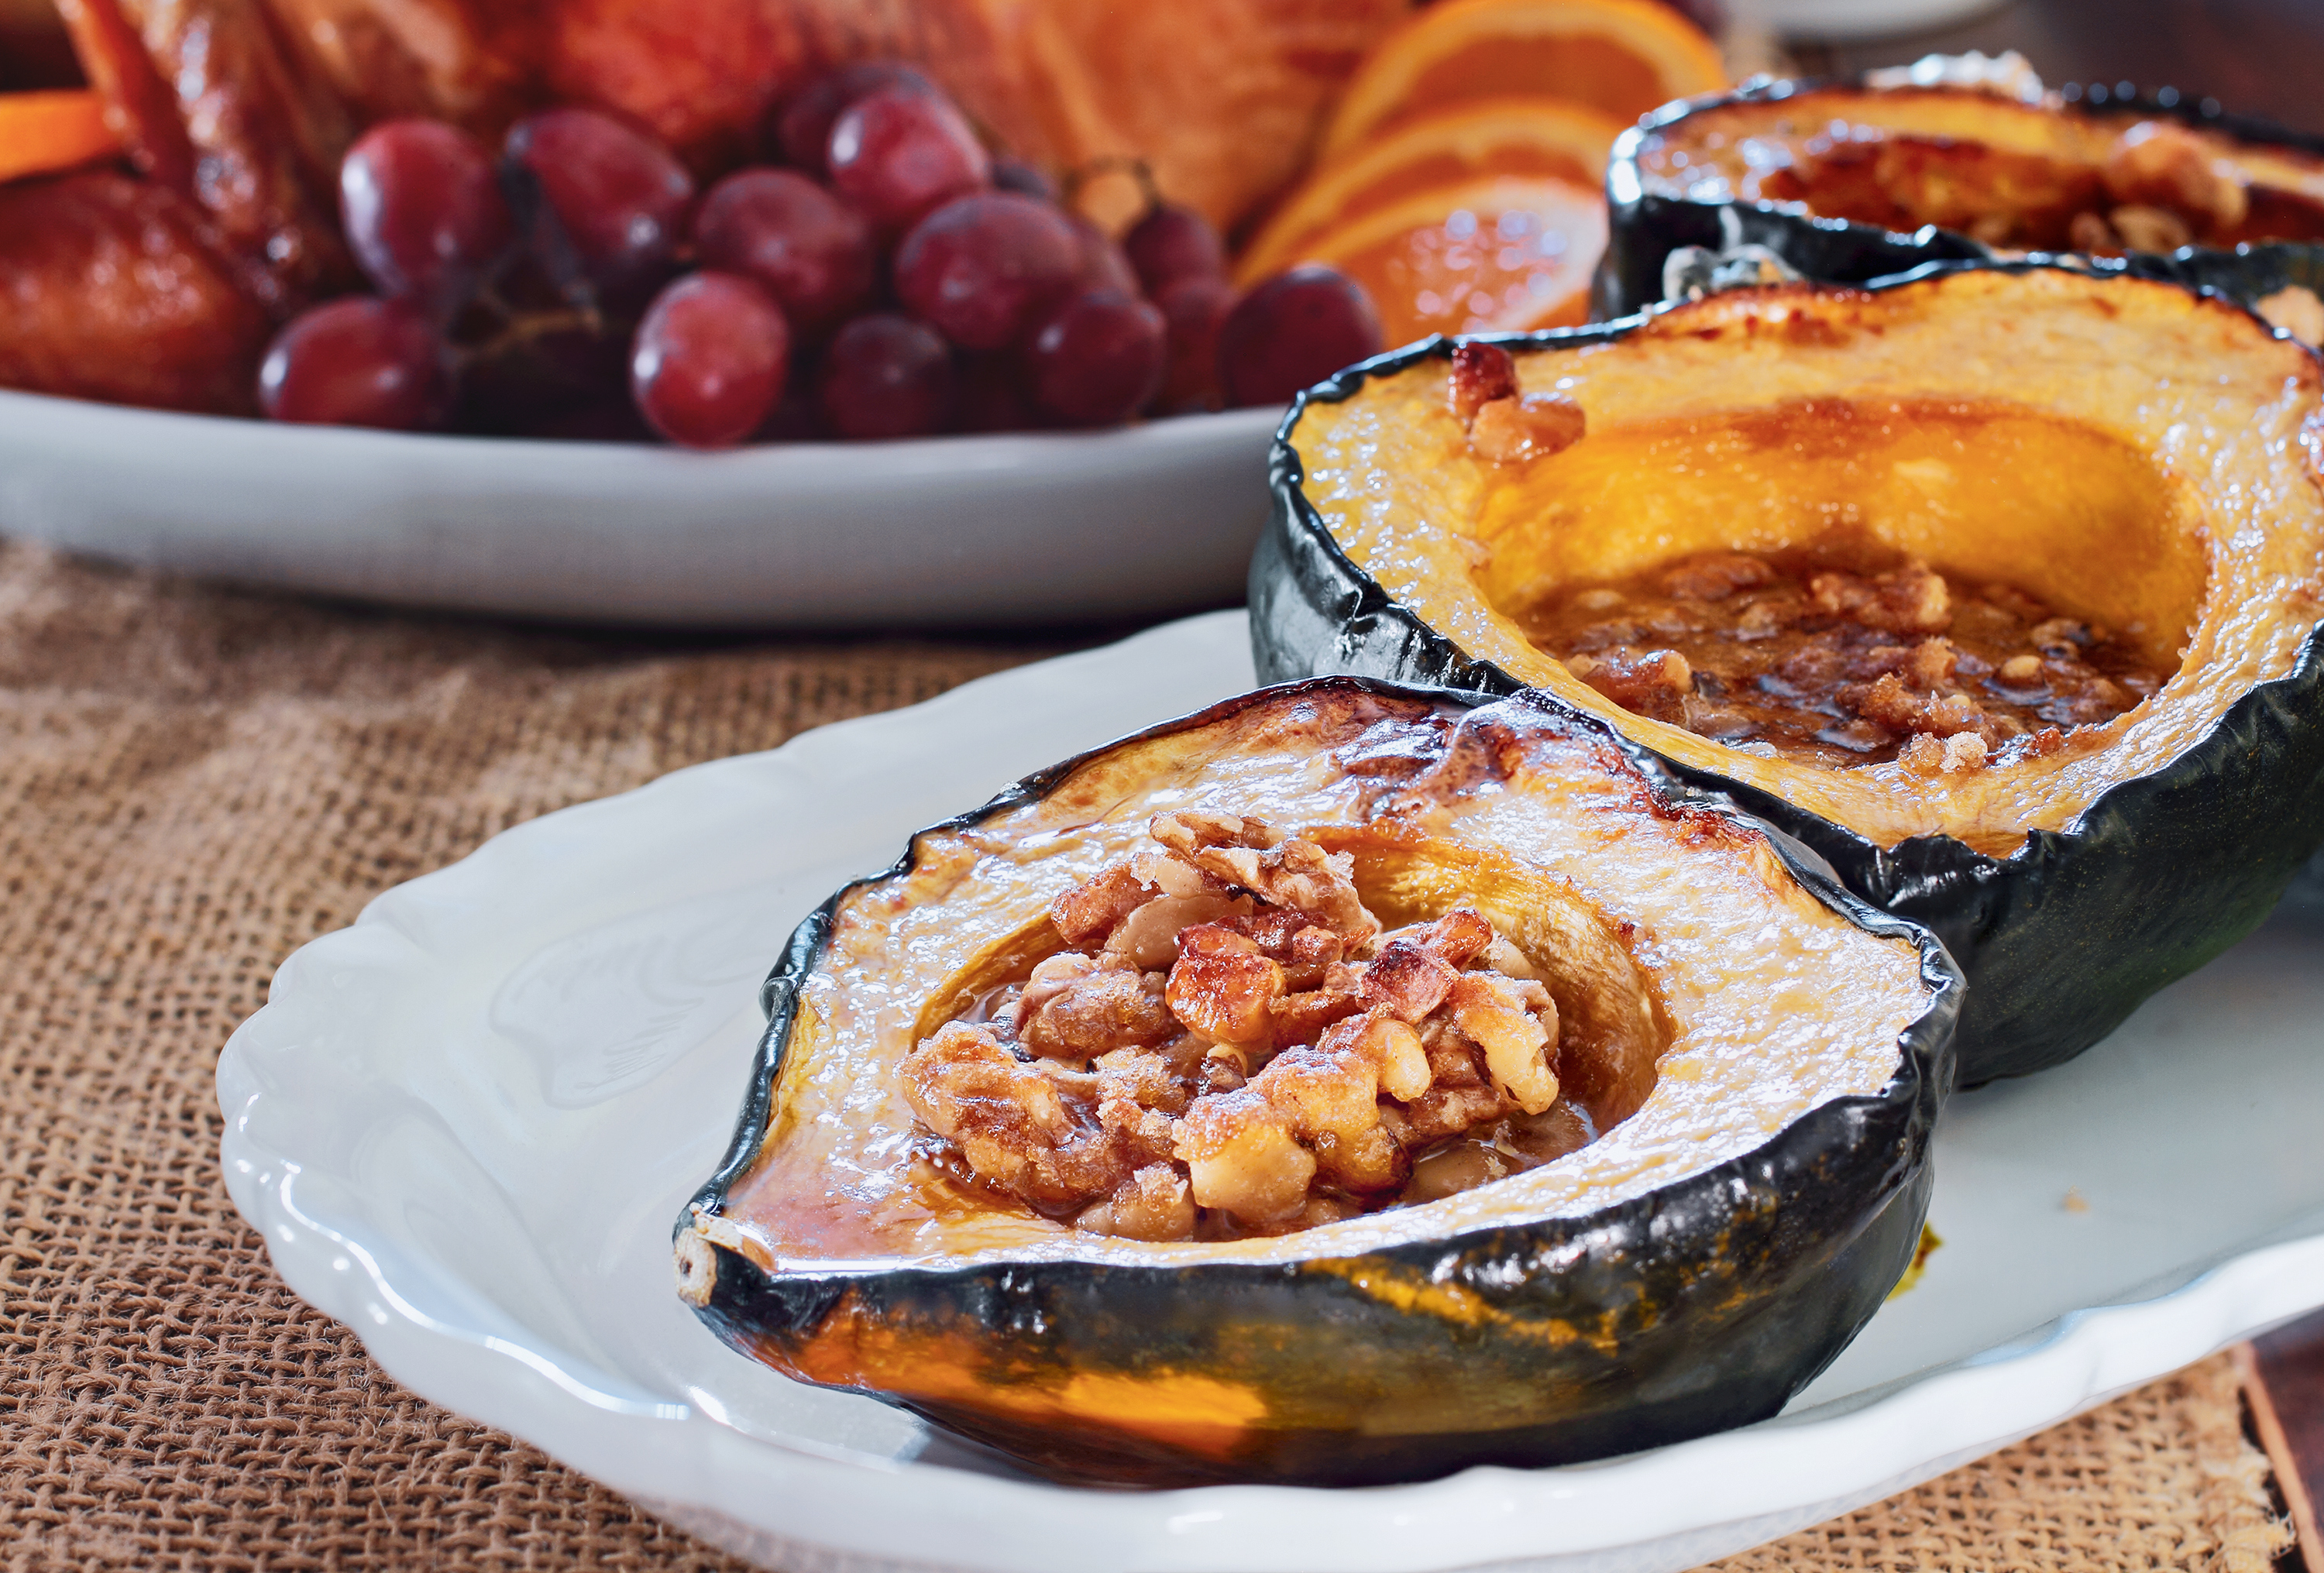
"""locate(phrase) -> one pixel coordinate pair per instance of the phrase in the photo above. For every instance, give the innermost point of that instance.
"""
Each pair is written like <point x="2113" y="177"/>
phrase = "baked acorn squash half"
<point x="1844" y="182"/>
<point x="1593" y="1119"/>
<point x="2046" y="547"/>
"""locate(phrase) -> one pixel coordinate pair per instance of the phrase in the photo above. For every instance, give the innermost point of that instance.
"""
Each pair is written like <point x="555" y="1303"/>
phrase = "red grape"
<point x="1103" y="266"/>
<point x="887" y="375"/>
<point x="802" y="125"/>
<point x="709" y="359"/>
<point x="980" y="268"/>
<point x="356" y="362"/>
<point x="1193" y="308"/>
<point x="804" y="247"/>
<point x="1097" y="358"/>
<point x="896" y="153"/>
<point x="1294" y="330"/>
<point x="617" y="197"/>
<point x="1173" y="242"/>
<point x="1010" y="173"/>
<point x="423" y="211"/>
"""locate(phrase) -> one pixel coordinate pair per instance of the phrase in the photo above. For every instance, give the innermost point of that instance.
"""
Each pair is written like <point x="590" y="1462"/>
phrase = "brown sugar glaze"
<point x="1841" y="655"/>
<point x="1233" y="1044"/>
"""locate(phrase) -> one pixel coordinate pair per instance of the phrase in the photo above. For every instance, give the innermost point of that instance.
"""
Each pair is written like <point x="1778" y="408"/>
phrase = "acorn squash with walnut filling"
<point x="2128" y="451"/>
<point x="1762" y="1056"/>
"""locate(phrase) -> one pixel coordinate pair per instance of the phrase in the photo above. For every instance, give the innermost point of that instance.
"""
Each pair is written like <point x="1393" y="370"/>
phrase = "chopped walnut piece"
<point x="1715" y="576"/>
<point x="1301" y="1018"/>
<point x="1156" y="1203"/>
<point x="1149" y="937"/>
<point x="1407" y="980"/>
<point x="1888" y="703"/>
<point x="1456" y="937"/>
<point x="1330" y="1094"/>
<point x="1222" y="989"/>
<point x="1159" y="1081"/>
<point x="1933" y="663"/>
<point x="1652" y="684"/>
<point x="1241" y="1157"/>
<point x="1089" y="909"/>
<point x="1931" y="755"/>
<point x="2041" y="744"/>
<point x="1304" y="951"/>
<point x="1224" y="1068"/>
<point x="1516" y="1025"/>
<point x="1481" y="372"/>
<point x="1447" y="1110"/>
<point x="2161" y="165"/>
<point x="1290" y="872"/>
<point x="1097" y="1009"/>
<point x="1912" y="599"/>
<point x="1393" y="1048"/>
<point x="1008" y="1120"/>
<point x="1534" y="426"/>
<point x="2149" y="229"/>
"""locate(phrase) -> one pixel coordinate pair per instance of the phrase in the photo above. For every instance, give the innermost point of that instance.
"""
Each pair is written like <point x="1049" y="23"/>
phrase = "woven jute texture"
<point x="192" y="783"/>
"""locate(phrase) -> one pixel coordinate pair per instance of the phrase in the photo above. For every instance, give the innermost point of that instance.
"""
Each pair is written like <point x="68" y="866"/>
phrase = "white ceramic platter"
<point x="465" y="1124"/>
<point x="961" y="531"/>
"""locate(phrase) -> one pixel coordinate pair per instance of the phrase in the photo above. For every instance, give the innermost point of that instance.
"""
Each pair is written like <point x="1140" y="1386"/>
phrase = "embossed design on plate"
<point x="606" y="1010"/>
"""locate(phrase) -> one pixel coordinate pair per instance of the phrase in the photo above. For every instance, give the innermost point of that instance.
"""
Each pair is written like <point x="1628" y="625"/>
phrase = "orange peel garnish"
<point x="44" y="132"/>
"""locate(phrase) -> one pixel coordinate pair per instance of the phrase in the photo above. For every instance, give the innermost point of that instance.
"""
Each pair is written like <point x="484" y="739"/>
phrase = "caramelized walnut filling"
<point x="1821" y="658"/>
<point x="1234" y="1046"/>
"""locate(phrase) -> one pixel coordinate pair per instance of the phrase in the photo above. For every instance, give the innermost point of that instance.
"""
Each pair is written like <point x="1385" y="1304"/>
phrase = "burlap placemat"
<point x="193" y="783"/>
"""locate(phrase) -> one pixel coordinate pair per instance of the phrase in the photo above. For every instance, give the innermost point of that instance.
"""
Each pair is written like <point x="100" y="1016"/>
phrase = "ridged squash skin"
<point x="2068" y="897"/>
<point x="1560" y="1314"/>
<point x="1646" y="224"/>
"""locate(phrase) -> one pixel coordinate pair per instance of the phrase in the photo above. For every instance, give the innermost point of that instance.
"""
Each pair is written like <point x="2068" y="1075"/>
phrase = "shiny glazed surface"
<point x="2126" y="452"/>
<point x="1678" y="930"/>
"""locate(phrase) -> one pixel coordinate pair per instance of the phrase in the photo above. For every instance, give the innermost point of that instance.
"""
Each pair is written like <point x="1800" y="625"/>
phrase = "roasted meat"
<point x="110" y="289"/>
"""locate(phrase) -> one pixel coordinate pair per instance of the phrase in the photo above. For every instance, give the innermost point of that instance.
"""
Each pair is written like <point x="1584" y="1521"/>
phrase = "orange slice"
<point x="52" y="130"/>
<point x="1620" y="57"/>
<point x="1492" y="137"/>
<point x="1501" y="252"/>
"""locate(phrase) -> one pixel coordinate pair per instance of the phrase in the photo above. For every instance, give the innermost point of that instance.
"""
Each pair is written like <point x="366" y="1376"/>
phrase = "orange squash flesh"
<point x="1977" y="419"/>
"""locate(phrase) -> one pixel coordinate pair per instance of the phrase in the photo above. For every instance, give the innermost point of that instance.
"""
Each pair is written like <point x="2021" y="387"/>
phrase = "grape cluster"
<point x="884" y="275"/>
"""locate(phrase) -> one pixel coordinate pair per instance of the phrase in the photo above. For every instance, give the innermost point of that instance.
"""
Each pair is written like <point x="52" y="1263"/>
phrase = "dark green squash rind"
<point x="1643" y="228"/>
<point x="2060" y="941"/>
<point x="1717" y="1298"/>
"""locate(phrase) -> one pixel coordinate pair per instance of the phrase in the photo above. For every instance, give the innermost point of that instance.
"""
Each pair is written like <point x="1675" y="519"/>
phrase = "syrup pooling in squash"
<point x="1833" y="655"/>
<point x="1232" y="1046"/>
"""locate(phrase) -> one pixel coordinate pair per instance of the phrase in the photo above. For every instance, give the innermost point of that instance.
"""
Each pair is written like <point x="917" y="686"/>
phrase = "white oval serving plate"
<point x="465" y="1124"/>
<point x="958" y="531"/>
